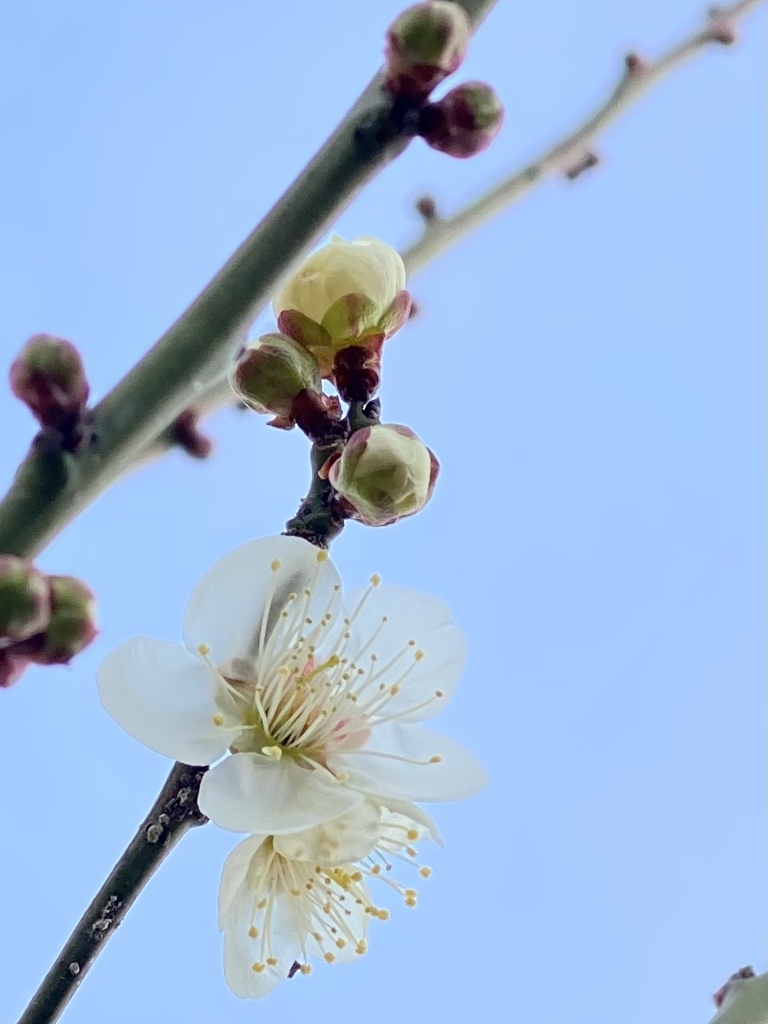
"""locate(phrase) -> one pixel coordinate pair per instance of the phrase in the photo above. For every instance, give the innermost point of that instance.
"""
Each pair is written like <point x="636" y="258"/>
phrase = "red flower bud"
<point x="49" y="377"/>
<point x="464" y="122"/>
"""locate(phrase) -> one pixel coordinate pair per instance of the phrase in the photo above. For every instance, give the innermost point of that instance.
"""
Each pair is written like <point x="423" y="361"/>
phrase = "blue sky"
<point x="589" y="367"/>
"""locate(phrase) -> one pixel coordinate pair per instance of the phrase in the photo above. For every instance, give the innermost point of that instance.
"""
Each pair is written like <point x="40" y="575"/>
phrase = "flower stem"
<point x="172" y="815"/>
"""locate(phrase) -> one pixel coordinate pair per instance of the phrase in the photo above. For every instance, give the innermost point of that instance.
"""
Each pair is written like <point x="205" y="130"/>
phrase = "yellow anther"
<point x="218" y="719"/>
<point x="322" y="556"/>
<point x="419" y="655"/>
<point x="253" y="933"/>
<point x="410" y="851"/>
<point x="383" y="915"/>
<point x="272" y="961"/>
<point x="305" y="969"/>
<point x="361" y="947"/>
<point x="317" y="936"/>
<point x="295" y="892"/>
<point x="357" y="876"/>
<point x="261" y="904"/>
<point x="275" y="565"/>
<point x="425" y="872"/>
<point x="275" y="752"/>
<point x="258" y="968"/>
<point x="394" y="690"/>
<point x="412" y="833"/>
<point x="340" y="943"/>
<point x="411" y="894"/>
<point x="410" y="901"/>
<point x="435" y="759"/>
<point x="376" y="869"/>
<point x="329" y="958"/>
<point x="341" y="878"/>
<point x="375" y="580"/>
<point x="203" y="649"/>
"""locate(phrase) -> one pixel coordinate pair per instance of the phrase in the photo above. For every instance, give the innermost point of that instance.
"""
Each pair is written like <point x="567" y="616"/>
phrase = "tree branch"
<point x="172" y="815"/>
<point x="573" y="154"/>
<point x="570" y="156"/>
<point x="44" y="497"/>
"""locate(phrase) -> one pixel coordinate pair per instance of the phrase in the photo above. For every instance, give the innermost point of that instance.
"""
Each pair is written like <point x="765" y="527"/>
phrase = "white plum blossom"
<point x="286" y="899"/>
<point x="317" y="703"/>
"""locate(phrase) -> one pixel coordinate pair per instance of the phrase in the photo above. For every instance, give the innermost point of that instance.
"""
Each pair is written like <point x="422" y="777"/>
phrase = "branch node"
<point x="426" y="207"/>
<point x="635" y="65"/>
<point x="582" y="162"/>
<point x="720" y="27"/>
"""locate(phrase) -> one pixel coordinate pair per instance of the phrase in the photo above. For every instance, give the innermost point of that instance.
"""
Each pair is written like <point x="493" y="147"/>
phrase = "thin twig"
<point x="573" y="154"/>
<point x="195" y="350"/>
<point x="172" y="815"/>
<point x="570" y="156"/>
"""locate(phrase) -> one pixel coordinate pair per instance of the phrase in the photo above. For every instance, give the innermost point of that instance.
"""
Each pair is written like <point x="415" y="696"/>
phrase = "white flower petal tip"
<point x="318" y="702"/>
<point x="280" y="907"/>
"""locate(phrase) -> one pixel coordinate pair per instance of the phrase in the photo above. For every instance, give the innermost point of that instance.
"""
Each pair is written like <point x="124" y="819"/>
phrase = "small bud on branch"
<point x="49" y="377"/>
<point x="464" y="122"/>
<point x="425" y="44"/>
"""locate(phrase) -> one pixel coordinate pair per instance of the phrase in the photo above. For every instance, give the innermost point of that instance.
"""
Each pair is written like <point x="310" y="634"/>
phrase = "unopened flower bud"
<point x="425" y="44"/>
<point x="345" y="293"/>
<point x="25" y="605"/>
<point x="49" y="377"/>
<point x="12" y="665"/>
<point x="384" y="473"/>
<point x="464" y="122"/>
<point x="71" y="627"/>
<point x="270" y="373"/>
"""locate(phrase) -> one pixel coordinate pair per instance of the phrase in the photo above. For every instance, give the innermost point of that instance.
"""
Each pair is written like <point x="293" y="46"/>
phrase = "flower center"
<point x="310" y="693"/>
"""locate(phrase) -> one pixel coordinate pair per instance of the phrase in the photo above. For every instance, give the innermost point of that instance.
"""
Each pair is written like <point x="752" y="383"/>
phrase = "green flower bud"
<point x="425" y="44"/>
<point x="72" y="624"/>
<point x="25" y="605"/>
<point x="271" y="373"/>
<point x="384" y="473"/>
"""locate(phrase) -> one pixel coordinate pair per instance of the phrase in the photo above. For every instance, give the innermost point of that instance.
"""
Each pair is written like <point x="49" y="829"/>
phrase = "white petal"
<point x="164" y="697"/>
<point x="348" y="838"/>
<point x="241" y="952"/>
<point x="404" y="808"/>
<point x="456" y="776"/>
<point x="234" y="879"/>
<point x="227" y="606"/>
<point x="254" y="793"/>
<point x="424" y="619"/>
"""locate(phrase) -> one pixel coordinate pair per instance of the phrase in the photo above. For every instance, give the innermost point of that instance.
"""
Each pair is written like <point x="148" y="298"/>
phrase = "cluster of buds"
<point x="334" y="316"/>
<point x="48" y="376"/>
<point x="425" y="44"/>
<point x="45" y="620"/>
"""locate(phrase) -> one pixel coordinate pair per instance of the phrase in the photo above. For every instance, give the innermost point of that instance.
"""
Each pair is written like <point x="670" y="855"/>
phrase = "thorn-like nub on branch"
<point x="187" y="435"/>
<point x="583" y="163"/>
<point x="720" y="27"/>
<point x="635" y="64"/>
<point x="427" y="208"/>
